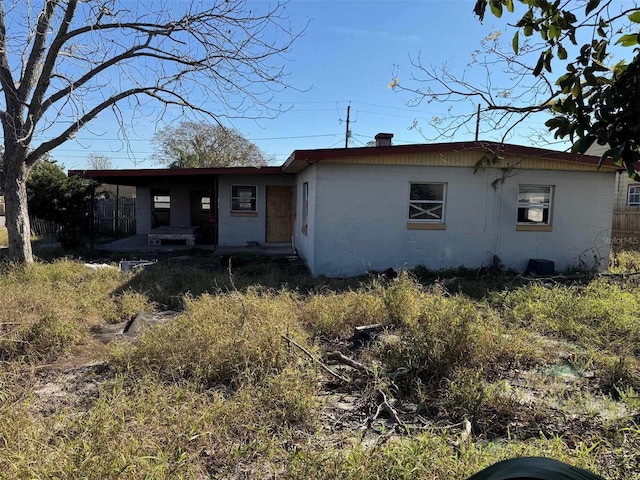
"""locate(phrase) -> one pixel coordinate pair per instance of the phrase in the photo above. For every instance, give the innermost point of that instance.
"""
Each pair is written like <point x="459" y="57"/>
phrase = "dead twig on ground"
<point x="385" y="406"/>
<point x="316" y="360"/>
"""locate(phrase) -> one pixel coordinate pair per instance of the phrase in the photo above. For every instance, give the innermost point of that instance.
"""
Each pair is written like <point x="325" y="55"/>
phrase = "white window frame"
<point x="536" y="205"/>
<point x="635" y="193"/>
<point x="254" y="198"/>
<point x="416" y="203"/>
<point x="161" y="201"/>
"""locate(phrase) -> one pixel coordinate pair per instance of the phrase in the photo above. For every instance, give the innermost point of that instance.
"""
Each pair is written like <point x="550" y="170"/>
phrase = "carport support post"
<point x="117" y="225"/>
<point x="92" y="217"/>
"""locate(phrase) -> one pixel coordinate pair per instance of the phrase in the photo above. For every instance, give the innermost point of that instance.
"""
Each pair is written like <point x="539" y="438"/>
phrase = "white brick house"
<point x="351" y="210"/>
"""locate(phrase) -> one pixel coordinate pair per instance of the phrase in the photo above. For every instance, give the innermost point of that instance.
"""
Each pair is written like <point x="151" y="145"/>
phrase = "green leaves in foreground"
<point x="533" y="467"/>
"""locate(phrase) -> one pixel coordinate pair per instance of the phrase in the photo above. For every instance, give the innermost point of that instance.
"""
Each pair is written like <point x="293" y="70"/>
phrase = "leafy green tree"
<point x="201" y="145"/>
<point x="55" y="197"/>
<point x="594" y="100"/>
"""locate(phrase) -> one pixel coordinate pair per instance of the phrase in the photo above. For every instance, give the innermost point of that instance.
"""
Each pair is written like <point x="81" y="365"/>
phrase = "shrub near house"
<point x="57" y="198"/>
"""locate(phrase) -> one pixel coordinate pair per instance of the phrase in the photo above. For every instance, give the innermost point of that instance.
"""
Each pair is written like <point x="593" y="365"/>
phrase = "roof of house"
<point x="301" y="159"/>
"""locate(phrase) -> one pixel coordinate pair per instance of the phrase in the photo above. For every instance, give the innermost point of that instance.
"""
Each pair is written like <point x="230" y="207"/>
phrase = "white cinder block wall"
<point x="304" y="241"/>
<point x="360" y="215"/>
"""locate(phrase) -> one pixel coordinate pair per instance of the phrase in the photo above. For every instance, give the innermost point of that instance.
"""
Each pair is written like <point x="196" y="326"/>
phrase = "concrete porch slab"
<point x="139" y="244"/>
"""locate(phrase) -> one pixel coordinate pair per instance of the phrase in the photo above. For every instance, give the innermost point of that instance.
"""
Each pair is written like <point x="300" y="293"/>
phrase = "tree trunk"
<point x="16" y="212"/>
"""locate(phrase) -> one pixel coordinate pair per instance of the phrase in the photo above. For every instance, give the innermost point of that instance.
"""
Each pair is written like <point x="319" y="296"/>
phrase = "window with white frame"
<point x="243" y="198"/>
<point x="426" y="202"/>
<point x="633" y="195"/>
<point x="205" y="204"/>
<point x="162" y="201"/>
<point x="534" y="204"/>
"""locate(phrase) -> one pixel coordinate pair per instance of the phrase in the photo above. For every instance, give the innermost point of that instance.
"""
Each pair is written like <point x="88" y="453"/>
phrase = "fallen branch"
<point x="386" y="407"/>
<point x="312" y="357"/>
<point x="344" y="360"/>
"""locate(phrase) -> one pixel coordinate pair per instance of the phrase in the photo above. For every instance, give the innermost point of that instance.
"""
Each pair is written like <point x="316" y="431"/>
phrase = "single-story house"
<point x="350" y="210"/>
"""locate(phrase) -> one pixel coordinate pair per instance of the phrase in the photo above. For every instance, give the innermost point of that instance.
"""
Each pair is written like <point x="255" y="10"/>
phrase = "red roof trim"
<point x="334" y="153"/>
<point x="175" y="172"/>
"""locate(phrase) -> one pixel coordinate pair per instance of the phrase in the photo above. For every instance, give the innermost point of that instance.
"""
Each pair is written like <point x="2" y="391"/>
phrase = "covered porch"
<point x="208" y="207"/>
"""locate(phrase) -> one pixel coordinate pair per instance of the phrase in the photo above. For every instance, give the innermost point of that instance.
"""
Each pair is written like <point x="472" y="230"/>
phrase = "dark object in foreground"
<point x="533" y="468"/>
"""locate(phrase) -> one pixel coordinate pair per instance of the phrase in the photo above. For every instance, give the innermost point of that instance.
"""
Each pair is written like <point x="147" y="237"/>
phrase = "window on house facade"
<point x="633" y="195"/>
<point x="161" y="208"/>
<point x="205" y="204"/>
<point x="243" y="198"/>
<point x="426" y="202"/>
<point x="534" y="204"/>
<point x="305" y="207"/>
<point x="162" y="202"/>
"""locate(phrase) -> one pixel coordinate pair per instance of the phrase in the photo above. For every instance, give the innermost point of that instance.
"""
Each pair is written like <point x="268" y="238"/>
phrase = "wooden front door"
<point x="279" y="214"/>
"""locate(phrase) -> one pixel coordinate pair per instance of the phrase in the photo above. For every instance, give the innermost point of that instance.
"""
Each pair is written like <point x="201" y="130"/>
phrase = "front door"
<point x="279" y="214"/>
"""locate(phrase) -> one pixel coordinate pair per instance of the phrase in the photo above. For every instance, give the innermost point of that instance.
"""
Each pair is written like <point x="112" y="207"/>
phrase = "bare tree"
<point x="503" y="106"/>
<point x="200" y="144"/>
<point x="63" y="62"/>
<point x="593" y="100"/>
<point x="97" y="161"/>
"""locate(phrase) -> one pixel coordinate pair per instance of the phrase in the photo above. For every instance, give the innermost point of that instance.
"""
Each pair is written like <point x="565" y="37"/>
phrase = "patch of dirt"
<point x="74" y="380"/>
<point x="71" y="387"/>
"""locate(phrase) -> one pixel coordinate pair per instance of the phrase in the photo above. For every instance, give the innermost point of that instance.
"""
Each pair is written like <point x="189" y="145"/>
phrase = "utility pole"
<point x="478" y="123"/>
<point x="347" y="133"/>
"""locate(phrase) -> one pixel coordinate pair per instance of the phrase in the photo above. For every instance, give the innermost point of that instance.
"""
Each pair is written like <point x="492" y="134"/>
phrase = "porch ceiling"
<point x="145" y="176"/>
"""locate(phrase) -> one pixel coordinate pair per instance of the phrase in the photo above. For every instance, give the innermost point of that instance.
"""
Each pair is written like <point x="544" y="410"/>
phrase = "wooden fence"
<point x="43" y="228"/>
<point x="625" y="231"/>
<point x="115" y="216"/>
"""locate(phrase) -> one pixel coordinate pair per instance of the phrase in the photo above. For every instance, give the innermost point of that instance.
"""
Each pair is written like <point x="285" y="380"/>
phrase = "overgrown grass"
<point x="47" y="308"/>
<point x="625" y="261"/>
<point x="441" y="454"/>
<point x="227" y="339"/>
<point x="603" y="313"/>
<point x="141" y="428"/>
<point x="228" y="389"/>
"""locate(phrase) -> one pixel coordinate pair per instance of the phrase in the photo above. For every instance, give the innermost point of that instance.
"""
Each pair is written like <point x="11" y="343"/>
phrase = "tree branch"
<point x="44" y="77"/>
<point x="6" y="79"/>
<point x="154" y="92"/>
<point x="38" y="49"/>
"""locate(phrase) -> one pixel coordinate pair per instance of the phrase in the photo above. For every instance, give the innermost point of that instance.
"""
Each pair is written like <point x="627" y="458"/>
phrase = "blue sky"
<point x="347" y="56"/>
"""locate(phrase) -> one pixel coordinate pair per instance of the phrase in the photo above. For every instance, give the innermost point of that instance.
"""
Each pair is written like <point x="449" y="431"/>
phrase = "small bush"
<point x="442" y="337"/>
<point x="624" y="261"/>
<point x="490" y="407"/>
<point x="402" y="298"/>
<point x="334" y="315"/>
